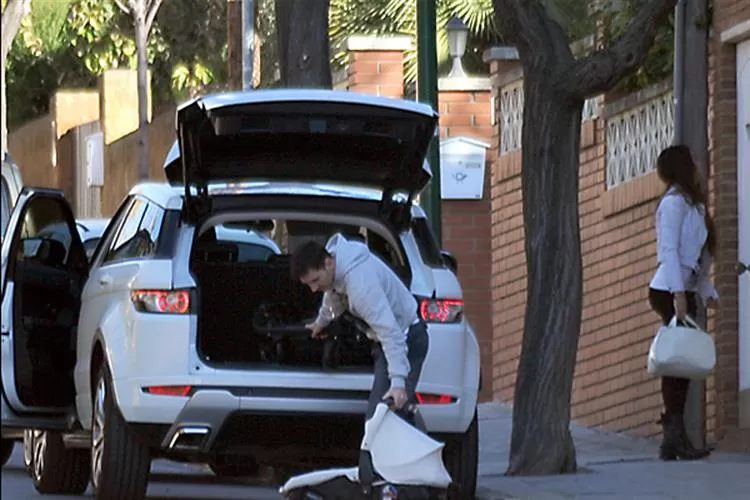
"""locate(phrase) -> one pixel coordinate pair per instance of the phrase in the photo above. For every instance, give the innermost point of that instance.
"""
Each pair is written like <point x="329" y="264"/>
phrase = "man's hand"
<point x="315" y="330"/>
<point x="680" y="305"/>
<point x="399" y="397"/>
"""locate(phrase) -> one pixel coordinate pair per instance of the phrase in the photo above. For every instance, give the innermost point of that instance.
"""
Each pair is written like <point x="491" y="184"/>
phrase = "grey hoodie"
<point x="370" y="289"/>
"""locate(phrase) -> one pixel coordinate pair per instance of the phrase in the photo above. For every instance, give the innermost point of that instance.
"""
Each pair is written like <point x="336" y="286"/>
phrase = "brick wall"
<point x="723" y="120"/>
<point x="465" y="110"/>
<point x="611" y="386"/>
<point x="376" y="67"/>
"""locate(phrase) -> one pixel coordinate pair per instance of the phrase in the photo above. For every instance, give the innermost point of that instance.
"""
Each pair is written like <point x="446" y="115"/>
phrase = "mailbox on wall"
<point x="462" y="163"/>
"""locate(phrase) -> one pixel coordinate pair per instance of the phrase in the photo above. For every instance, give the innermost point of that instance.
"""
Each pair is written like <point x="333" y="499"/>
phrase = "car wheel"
<point x="461" y="455"/>
<point x="120" y="463"/>
<point x="234" y="466"/>
<point x="6" y="450"/>
<point x="56" y="469"/>
<point x="28" y="448"/>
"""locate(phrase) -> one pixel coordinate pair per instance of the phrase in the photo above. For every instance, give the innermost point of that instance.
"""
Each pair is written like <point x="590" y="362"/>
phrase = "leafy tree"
<point x="186" y="50"/>
<point x="556" y="85"/>
<point x="388" y="17"/>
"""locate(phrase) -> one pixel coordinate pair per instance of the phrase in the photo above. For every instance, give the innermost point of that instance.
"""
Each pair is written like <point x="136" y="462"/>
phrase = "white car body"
<point x="9" y="190"/>
<point x="140" y="350"/>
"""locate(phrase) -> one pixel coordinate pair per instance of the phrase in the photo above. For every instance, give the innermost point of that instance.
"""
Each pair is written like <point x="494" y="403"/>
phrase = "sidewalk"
<point x="611" y="466"/>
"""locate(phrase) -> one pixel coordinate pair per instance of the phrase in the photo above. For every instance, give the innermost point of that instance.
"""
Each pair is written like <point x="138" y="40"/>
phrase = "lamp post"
<point x="427" y="93"/>
<point x="457" y="33"/>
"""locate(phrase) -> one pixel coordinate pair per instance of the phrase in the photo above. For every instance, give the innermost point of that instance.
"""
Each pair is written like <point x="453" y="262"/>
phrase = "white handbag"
<point x="682" y="351"/>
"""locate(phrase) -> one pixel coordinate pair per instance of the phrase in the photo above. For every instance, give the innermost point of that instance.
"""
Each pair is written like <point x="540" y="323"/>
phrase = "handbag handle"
<point x="687" y="320"/>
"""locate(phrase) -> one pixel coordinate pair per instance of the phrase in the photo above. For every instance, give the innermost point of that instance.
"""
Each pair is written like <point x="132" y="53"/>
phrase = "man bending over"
<point x="353" y="278"/>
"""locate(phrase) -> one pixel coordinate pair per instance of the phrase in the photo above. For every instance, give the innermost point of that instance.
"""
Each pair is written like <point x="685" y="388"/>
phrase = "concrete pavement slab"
<point x="614" y="466"/>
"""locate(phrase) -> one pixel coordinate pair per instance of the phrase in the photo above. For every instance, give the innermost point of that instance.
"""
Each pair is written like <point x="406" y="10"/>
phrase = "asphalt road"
<point x="169" y="480"/>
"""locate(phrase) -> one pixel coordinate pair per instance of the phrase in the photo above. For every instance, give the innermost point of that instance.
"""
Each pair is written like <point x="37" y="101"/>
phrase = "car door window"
<point x="127" y="242"/>
<point x="47" y="236"/>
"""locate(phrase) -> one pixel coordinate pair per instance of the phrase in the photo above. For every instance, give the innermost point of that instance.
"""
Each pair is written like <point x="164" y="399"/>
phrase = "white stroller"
<point x="397" y="460"/>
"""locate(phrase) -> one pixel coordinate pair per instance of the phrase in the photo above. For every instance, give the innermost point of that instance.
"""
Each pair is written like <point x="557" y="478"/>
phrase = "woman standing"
<point x="686" y="241"/>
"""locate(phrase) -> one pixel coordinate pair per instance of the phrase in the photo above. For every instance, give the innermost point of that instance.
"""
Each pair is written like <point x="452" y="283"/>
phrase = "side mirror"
<point x="450" y="260"/>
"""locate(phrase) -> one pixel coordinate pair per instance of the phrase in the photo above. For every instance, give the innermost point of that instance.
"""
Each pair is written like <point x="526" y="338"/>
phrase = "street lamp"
<point x="457" y="32"/>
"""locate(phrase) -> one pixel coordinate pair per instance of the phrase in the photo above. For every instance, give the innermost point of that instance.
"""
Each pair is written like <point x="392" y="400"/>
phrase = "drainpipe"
<point x="678" y="87"/>
<point x="427" y="92"/>
<point x="695" y="418"/>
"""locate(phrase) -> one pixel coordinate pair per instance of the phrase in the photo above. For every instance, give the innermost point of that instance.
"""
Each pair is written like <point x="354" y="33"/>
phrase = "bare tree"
<point x="302" y="32"/>
<point x="13" y="14"/>
<point x="555" y="88"/>
<point x="143" y="13"/>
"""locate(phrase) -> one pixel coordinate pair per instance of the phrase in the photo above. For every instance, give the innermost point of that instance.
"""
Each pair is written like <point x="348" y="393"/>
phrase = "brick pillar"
<point x="376" y="64"/>
<point x="466" y="111"/>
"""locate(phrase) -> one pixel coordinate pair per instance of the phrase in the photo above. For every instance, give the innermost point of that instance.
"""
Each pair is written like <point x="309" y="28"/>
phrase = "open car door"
<point x="44" y="268"/>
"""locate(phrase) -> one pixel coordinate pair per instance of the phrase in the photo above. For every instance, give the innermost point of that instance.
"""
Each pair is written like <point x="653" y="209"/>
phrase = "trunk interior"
<point x="252" y="316"/>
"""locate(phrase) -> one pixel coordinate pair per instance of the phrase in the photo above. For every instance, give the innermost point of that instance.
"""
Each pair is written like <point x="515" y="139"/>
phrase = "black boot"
<point x="676" y="444"/>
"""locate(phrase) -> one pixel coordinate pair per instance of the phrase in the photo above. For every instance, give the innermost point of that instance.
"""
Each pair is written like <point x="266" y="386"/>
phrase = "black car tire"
<point x="461" y="456"/>
<point x="6" y="450"/>
<point x="120" y="463"/>
<point x="56" y="469"/>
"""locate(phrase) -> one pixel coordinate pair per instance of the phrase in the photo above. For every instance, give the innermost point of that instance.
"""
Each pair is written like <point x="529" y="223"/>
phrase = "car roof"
<point x="238" y="98"/>
<point x="170" y="197"/>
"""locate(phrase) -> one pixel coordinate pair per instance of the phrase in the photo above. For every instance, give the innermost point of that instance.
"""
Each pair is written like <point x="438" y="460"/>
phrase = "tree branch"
<point x="601" y="70"/>
<point x="151" y="9"/>
<point x="125" y="8"/>
<point x="13" y="15"/>
<point x="538" y="38"/>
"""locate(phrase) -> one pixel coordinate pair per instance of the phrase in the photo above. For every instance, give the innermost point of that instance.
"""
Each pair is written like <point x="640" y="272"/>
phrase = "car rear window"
<point x="427" y="243"/>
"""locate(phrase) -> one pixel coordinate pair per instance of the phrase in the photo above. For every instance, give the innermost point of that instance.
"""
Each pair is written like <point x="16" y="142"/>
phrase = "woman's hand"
<point x="712" y="303"/>
<point x="680" y="305"/>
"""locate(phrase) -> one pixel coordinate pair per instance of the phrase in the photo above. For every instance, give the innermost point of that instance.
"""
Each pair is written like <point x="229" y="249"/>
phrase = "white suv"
<point x="178" y="341"/>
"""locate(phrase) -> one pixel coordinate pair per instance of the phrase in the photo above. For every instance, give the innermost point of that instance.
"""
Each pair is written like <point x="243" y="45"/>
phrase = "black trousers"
<point x="673" y="389"/>
<point x="417" y="342"/>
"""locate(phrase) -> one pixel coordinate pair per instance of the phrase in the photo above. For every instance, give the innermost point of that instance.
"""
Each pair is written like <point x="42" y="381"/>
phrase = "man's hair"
<point x="309" y="256"/>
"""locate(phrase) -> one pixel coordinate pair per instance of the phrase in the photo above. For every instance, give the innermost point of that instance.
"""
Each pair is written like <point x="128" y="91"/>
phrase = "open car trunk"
<point x="252" y="315"/>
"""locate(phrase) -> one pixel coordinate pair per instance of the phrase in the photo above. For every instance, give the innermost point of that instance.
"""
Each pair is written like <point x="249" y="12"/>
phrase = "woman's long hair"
<point x="675" y="166"/>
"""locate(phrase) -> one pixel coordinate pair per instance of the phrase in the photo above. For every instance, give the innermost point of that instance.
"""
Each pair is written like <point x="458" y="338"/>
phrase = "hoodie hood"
<point x="348" y="255"/>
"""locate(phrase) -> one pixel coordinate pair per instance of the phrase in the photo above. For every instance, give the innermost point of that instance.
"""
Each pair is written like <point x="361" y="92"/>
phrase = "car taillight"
<point x="434" y="399"/>
<point x="162" y="301"/>
<point x="441" y="311"/>
<point x="168" y="390"/>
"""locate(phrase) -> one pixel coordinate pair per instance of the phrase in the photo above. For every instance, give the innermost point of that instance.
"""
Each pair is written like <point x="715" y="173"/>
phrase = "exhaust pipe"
<point x="189" y="438"/>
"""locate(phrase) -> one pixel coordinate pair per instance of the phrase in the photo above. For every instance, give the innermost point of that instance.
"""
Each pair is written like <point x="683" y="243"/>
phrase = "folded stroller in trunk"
<point x="397" y="461"/>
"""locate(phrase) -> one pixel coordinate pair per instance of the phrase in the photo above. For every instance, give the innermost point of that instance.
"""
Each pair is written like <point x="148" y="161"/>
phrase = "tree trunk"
<point x="304" y="52"/>
<point x="13" y="15"/>
<point x="234" y="39"/>
<point x="141" y="40"/>
<point x="551" y="138"/>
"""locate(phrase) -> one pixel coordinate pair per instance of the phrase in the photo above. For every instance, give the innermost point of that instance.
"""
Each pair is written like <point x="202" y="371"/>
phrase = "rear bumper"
<point x="271" y="422"/>
<point x="209" y="405"/>
<point x="219" y="422"/>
